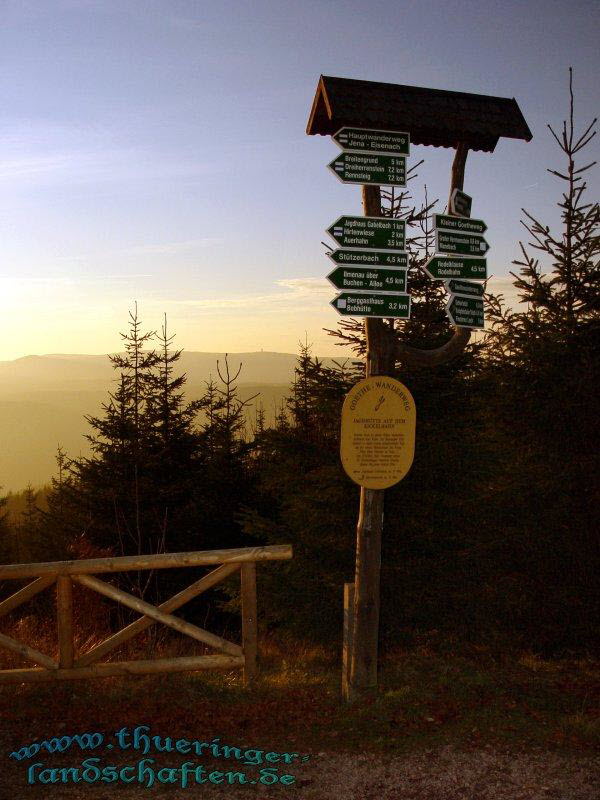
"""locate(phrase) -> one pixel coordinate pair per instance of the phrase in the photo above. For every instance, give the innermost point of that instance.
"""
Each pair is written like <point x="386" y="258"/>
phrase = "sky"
<point x="155" y="152"/>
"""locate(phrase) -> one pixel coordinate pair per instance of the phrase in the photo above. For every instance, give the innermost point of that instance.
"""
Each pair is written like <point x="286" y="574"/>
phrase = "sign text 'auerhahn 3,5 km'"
<point x="378" y="233"/>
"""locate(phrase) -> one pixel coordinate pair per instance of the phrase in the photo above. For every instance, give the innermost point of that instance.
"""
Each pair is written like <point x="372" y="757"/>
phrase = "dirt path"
<point x="443" y="774"/>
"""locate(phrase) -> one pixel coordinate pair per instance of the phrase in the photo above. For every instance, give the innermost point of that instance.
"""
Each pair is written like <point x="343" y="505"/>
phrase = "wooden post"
<point x="363" y="662"/>
<point x="249" y="621"/>
<point x="64" y="613"/>
<point x="457" y="177"/>
<point x="381" y="352"/>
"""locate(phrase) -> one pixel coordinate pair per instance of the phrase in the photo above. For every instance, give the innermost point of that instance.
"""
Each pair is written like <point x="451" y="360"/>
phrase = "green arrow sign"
<point x="372" y="305"/>
<point x="468" y="244"/>
<point x="466" y="312"/>
<point x="372" y="141"/>
<point x="460" y="224"/>
<point x="445" y="267"/>
<point x="460" y="203"/>
<point x="369" y="258"/>
<point x="369" y="279"/>
<point x="465" y="288"/>
<point x="378" y="233"/>
<point x="370" y="169"/>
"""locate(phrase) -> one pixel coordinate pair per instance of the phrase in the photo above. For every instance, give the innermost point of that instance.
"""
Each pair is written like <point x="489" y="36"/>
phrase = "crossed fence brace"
<point x="64" y="573"/>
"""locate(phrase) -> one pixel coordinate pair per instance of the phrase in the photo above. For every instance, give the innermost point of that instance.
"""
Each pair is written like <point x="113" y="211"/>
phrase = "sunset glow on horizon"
<point x="155" y="153"/>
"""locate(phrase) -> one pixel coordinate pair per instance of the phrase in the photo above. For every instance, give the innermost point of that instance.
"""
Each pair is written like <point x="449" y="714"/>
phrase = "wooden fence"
<point x="71" y="665"/>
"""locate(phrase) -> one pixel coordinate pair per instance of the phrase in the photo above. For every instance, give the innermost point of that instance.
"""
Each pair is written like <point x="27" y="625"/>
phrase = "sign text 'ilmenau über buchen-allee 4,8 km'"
<point x="369" y="279"/>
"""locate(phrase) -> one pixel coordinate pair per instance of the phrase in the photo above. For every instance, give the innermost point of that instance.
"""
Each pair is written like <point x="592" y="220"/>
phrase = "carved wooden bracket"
<point x="383" y="349"/>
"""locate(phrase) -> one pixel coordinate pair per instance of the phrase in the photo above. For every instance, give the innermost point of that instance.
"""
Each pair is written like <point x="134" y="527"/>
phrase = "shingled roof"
<point x="431" y="116"/>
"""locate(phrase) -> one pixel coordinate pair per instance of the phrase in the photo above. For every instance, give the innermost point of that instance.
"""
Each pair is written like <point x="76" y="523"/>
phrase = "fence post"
<point x="249" y="622"/>
<point x="64" y="613"/>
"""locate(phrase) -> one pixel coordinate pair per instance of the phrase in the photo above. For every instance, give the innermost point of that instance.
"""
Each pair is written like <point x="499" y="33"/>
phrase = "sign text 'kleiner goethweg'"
<point x="377" y="444"/>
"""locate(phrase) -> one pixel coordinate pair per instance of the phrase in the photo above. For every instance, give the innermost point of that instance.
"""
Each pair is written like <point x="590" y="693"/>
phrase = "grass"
<point x="435" y="693"/>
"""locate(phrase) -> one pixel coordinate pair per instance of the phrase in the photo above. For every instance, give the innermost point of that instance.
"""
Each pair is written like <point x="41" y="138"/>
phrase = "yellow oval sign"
<point x="378" y="432"/>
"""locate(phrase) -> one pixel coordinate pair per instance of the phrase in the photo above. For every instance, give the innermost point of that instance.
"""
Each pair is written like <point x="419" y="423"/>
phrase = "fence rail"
<point x="71" y="665"/>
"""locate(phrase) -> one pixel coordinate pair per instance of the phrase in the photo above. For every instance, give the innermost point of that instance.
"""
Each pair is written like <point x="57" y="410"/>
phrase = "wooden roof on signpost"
<point x="431" y="116"/>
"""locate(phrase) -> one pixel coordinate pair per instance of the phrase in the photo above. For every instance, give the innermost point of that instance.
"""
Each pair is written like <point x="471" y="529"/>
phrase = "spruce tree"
<point x="6" y="534"/>
<point x="544" y="375"/>
<point x="561" y="293"/>
<point x="223" y="484"/>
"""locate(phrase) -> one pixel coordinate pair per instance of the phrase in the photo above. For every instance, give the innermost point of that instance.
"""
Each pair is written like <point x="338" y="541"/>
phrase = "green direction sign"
<point x="468" y="244"/>
<point x="378" y="233"/>
<point x="460" y="224"/>
<point x="368" y="168"/>
<point x="372" y="305"/>
<point x="466" y="288"/>
<point x="368" y="141"/>
<point x="466" y="312"/>
<point x="446" y="267"/>
<point x="460" y="203"/>
<point x="369" y="279"/>
<point x="369" y="258"/>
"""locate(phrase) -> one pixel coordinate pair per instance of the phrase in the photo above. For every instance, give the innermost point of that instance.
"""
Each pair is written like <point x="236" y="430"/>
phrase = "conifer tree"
<point x="544" y="376"/>
<point x="5" y="532"/>
<point x="134" y="493"/>
<point x="224" y="453"/>
<point x="562" y="294"/>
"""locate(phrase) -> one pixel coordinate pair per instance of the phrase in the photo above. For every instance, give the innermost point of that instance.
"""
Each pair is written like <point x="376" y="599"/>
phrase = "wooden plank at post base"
<point x="377" y="443"/>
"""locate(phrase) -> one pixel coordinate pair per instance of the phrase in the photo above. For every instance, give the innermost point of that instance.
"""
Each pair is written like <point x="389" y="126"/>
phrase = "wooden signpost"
<point x="344" y="106"/>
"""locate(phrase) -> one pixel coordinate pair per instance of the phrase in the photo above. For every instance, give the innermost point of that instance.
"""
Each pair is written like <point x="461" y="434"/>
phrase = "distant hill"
<point x="44" y="399"/>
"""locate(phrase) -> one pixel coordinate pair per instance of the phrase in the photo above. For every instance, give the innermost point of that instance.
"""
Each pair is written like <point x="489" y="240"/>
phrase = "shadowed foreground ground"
<point x="444" y="724"/>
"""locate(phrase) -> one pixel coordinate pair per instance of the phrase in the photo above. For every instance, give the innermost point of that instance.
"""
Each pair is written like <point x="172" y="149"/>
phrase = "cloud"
<point x="35" y="149"/>
<point x="35" y="165"/>
<point x="169" y="248"/>
<point x="297" y="294"/>
<point x="504" y="285"/>
<point x="306" y="285"/>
